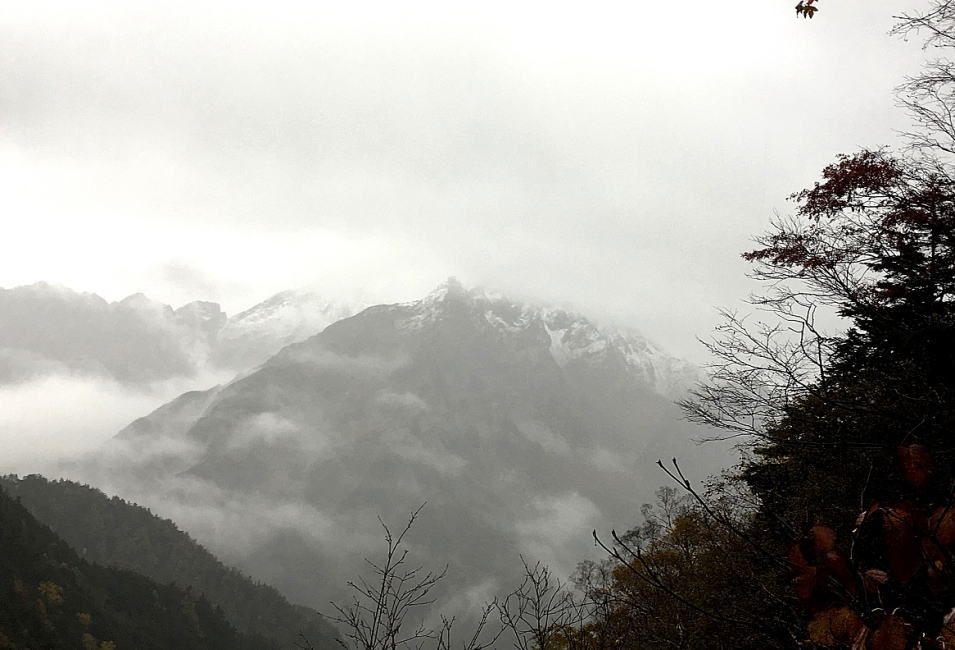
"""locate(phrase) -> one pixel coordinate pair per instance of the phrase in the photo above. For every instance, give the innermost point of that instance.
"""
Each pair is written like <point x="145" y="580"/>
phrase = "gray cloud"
<point x="57" y="418"/>
<point x="404" y="400"/>
<point x="618" y="157"/>
<point x="363" y="364"/>
<point x="267" y="429"/>
<point x="192" y="281"/>
<point x="551" y="530"/>
<point x="431" y="453"/>
<point x="541" y="434"/>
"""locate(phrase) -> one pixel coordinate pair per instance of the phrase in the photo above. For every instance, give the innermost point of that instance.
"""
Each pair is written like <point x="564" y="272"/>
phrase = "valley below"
<point x="519" y="429"/>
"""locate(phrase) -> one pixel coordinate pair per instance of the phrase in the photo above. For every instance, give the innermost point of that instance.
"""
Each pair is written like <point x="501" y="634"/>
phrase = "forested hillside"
<point x="112" y="532"/>
<point x="52" y="598"/>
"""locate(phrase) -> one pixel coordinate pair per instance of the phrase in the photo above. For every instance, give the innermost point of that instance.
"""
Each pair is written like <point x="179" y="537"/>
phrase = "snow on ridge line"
<point x="572" y="336"/>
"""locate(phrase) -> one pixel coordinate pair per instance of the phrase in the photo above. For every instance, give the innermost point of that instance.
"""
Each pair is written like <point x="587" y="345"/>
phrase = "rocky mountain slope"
<point x="522" y="427"/>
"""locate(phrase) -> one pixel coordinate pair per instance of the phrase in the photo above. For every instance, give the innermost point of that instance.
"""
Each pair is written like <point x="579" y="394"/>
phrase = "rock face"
<point x="523" y="428"/>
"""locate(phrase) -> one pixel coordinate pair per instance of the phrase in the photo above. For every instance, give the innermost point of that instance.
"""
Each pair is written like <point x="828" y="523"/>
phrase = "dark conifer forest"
<point x="113" y="533"/>
<point x="52" y="598"/>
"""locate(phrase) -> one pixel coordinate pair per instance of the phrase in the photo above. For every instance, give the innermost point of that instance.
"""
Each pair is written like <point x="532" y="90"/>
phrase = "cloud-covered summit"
<point x="570" y="337"/>
<point x="518" y="424"/>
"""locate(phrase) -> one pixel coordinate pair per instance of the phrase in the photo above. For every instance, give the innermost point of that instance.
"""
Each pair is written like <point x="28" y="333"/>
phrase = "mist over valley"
<point x="520" y="426"/>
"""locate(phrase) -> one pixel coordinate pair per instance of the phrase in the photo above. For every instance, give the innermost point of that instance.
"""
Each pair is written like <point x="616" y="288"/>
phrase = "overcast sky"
<point x="616" y="156"/>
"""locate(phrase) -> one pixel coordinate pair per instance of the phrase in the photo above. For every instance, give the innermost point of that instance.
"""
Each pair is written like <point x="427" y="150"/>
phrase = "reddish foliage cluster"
<point x="806" y="8"/>
<point x="851" y="177"/>
<point x="892" y="587"/>
<point x="876" y="229"/>
<point x="789" y="249"/>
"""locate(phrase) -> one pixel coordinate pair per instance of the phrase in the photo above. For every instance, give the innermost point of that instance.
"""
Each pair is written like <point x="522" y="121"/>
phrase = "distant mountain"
<point x="46" y="329"/>
<point x="523" y="428"/>
<point x="249" y="338"/>
<point x="52" y="598"/>
<point x="112" y="532"/>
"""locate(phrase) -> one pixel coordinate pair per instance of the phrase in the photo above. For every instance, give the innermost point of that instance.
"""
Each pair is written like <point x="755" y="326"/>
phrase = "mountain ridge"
<point x="456" y="399"/>
<point x="39" y="333"/>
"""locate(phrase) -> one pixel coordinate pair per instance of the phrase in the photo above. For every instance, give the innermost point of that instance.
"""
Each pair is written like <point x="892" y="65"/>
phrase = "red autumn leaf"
<point x="916" y="463"/>
<point x="942" y="526"/>
<point x="811" y="586"/>
<point x="835" y="627"/>
<point x="795" y="556"/>
<point x="860" y="519"/>
<point x="873" y="579"/>
<point x="837" y="566"/>
<point x="875" y="507"/>
<point x="891" y="633"/>
<point x="937" y="582"/>
<point x="813" y="547"/>
<point x="823" y="539"/>
<point x="903" y="550"/>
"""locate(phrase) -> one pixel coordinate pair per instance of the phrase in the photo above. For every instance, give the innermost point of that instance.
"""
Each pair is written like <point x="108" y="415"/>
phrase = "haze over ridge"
<point x="520" y="426"/>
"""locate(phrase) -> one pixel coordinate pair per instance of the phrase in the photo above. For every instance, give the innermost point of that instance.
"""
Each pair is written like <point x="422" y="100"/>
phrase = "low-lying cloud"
<point x="432" y="454"/>
<point x="359" y="364"/>
<point x="263" y="429"/>
<point x="405" y="400"/>
<point x="551" y="532"/>
<point x="52" y="420"/>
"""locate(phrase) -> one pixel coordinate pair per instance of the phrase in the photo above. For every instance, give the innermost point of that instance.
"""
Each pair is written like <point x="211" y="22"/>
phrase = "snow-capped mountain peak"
<point x="569" y="336"/>
<point x="252" y="336"/>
